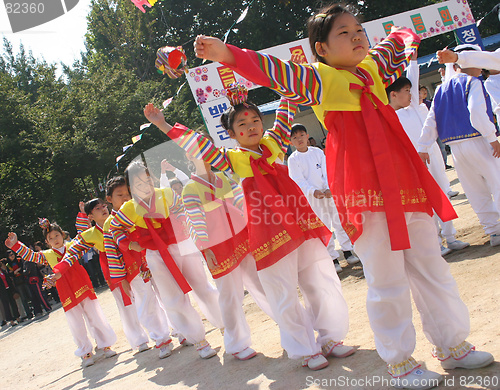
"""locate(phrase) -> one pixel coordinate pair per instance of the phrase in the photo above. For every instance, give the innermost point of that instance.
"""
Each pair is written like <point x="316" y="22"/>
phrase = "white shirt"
<point x="476" y="103"/>
<point x="413" y="117"/>
<point x="479" y="59"/>
<point x="492" y="85"/>
<point x="308" y="170"/>
<point x="181" y="176"/>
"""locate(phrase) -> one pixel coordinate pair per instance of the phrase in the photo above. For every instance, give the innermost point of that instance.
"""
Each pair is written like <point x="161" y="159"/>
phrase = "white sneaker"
<point x="87" y="360"/>
<point x="353" y="259"/>
<point x="315" y="362"/>
<point x="143" y="347"/>
<point x="108" y="352"/>
<point x="342" y="351"/>
<point x="418" y="379"/>
<point x="452" y="194"/>
<point x="337" y="265"/>
<point x="445" y="251"/>
<point x="246" y="354"/>
<point x="165" y="350"/>
<point x="494" y="239"/>
<point x="183" y="341"/>
<point x="474" y="359"/>
<point x="457" y="245"/>
<point x="207" y="352"/>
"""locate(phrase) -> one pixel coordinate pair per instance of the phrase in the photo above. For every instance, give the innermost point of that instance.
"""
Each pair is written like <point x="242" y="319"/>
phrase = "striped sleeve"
<point x="200" y="147"/>
<point x="82" y="223"/>
<point x="195" y="217"/>
<point x="238" y="197"/>
<point x="77" y="248"/>
<point x="119" y="227"/>
<point x="283" y="123"/>
<point x="116" y="265"/>
<point x="393" y="54"/>
<point x="300" y="83"/>
<point x="28" y="254"/>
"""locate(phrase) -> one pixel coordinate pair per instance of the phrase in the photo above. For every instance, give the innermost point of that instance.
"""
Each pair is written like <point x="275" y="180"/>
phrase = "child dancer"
<point x="97" y="211"/>
<point x="403" y="97"/>
<point x="75" y="290"/>
<point x="217" y="224"/>
<point x="307" y="167"/>
<point x="146" y="219"/>
<point x="383" y="191"/>
<point x="462" y="116"/>
<point x="129" y="268"/>
<point x="285" y="235"/>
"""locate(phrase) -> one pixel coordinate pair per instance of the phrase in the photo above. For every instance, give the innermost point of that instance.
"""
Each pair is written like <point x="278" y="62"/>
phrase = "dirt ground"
<point x="39" y="354"/>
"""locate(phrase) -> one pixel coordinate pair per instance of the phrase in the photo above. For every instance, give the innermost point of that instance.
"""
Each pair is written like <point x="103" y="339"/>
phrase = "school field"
<point x="39" y="354"/>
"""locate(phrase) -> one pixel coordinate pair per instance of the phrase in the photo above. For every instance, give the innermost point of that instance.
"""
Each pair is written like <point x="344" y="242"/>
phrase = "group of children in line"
<point x="262" y="228"/>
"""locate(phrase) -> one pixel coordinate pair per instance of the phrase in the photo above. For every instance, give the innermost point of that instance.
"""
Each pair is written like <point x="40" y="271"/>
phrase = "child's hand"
<point x="328" y="194"/>
<point x="211" y="259"/>
<point x="154" y="115"/>
<point x="135" y="246"/>
<point x="318" y="194"/>
<point x="81" y="205"/>
<point x="496" y="149"/>
<point x="425" y="158"/>
<point x="11" y="240"/>
<point x="126" y="288"/>
<point x="396" y="28"/>
<point x="166" y="166"/>
<point x="447" y="56"/>
<point x="213" y="49"/>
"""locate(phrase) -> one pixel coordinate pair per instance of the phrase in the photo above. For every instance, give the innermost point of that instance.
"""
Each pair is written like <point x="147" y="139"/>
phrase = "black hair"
<point x="39" y="244"/>
<point x="227" y="119"/>
<point x="319" y="26"/>
<point x="398" y="85"/>
<point x="114" y="183"/>
<point x="175" y="181"/>
<point x="91" y="204"/>
<point x="53" y="227"/>
<point x="296" y="128"/>
<point x="134" y="169"/>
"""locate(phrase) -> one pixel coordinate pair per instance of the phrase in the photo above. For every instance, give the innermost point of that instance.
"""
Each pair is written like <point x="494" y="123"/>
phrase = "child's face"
<point x="422" y="93"/>
<point x="177" y="188"/>
<point x="247" y="128"/>
<point x="299" y="140"/>
<point x="99" y="213"/>
<point x="119" y="196"/>
<point x="401" y="98"/>
<point x="55" y="239"/>
<point x="142" y="186"/>
<point x="346" y="45"/>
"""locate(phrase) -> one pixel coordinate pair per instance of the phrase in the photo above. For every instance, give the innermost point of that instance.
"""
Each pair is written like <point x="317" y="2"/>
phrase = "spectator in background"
<point x="20" y="283"/>
<point x="423" y="93"/>
<point x="7" y="291"/>
<point x="34" y="278"/>
<point x="90" y="261"/>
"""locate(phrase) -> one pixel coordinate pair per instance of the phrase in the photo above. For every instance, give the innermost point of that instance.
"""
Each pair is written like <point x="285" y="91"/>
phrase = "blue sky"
<point x="60" y="40"/>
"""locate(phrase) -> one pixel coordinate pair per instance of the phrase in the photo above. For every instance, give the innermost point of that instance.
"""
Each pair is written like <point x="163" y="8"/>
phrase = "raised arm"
<point x="283" y="123"/>
<point x="300" y="83"/>
<point x="393" y="54"/>
<point x="22" y="250"/>
<point x="413" y="74"/>
<point x="82" y="220"/>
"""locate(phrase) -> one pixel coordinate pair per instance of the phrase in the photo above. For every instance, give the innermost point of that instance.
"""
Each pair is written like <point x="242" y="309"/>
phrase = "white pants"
<point x="231" y="293"/>
<point x="438" y="172"/>
<point x="326" y="210"/>
<point x="130" y="322"/>
<point x="311" y="267"/>
<point x="479" y="173"/>
<point x="392" y="275"/>
<point x="89" y="311"/>
<point x="149" y="311"/>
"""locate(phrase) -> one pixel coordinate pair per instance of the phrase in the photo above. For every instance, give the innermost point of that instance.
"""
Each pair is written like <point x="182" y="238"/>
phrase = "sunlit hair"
<point x="320" y="24"/>
<point x="50" y="227"/>
<point x="114" y="183"/>
<point x="227" y="119"/>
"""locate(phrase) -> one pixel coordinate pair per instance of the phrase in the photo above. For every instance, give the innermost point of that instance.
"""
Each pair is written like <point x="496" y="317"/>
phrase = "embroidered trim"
<point x="461" y="350"/>
<point x="476" y="134"/>
<point x="439" y="354"/>
<point x="403" y="368"/>
<point x="329" y="346"/>
<point x="266" y="249"/>
<point x="202" y="344"/>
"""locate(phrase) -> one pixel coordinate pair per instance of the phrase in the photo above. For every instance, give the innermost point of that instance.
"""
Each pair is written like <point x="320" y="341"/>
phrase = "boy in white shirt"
<point x="461" y="114"/>
<point x="403" y="96"/>
<point x="307" y="167"/>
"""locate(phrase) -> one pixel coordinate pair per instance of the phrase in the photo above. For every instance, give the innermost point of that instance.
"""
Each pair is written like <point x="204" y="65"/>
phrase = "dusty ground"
<point x="39" y="354"/>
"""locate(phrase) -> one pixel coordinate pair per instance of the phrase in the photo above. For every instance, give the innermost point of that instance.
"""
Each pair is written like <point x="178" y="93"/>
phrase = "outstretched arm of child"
<point x="78" y="247"/>
<point x="192" y="142"/>
<point x="82" y="220"/>
<point x="22" y="250"/>
<point x="471" y="59"/>
<point x="283" y="123"/>
<point x="413" y="74"/>
<point x="297" y="82"/>
<point x="393" y="54"/>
